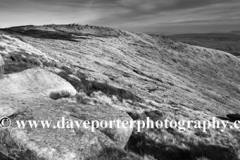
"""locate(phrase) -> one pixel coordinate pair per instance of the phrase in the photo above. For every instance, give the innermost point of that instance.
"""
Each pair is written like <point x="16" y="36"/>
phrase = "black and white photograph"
<point x="119" y="79"/>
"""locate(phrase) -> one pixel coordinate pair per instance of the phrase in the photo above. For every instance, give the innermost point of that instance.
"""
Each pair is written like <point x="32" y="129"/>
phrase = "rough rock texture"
<point x="25" y="96"/>
<point x="55" y="144"/>
<point x="143" y="75"/>
<point x="35" y="81"/>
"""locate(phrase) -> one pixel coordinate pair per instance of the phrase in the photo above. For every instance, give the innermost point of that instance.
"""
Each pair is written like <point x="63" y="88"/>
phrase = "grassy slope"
<point x="179" y="81"/>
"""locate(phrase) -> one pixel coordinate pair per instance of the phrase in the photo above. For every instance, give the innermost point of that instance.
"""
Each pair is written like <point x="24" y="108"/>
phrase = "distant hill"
<point x="227" y="42"/>
<point x="236" y="32"/>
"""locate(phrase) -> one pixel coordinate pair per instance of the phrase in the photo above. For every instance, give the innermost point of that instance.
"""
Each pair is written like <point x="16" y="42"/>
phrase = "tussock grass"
<point x="194" y="144"/>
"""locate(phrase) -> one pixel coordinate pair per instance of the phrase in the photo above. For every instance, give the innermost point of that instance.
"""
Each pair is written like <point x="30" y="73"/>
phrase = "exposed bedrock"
<point x="25" y="96"/>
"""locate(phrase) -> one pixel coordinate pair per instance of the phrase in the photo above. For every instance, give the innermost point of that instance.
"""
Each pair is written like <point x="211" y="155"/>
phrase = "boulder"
<point x="62" y="143"/>
<point x="105" y="113"/>
<point x="36" y="81"/>
<point x="25" y="97"/>
<point x="49" y="143"/>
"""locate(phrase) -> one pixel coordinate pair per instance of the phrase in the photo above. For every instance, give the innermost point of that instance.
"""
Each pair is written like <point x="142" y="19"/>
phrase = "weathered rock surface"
<point x="143" y="75"/>
<point x="25" y="96"/>
<point x="37" y="82"/>
<point x="57" y="144"/>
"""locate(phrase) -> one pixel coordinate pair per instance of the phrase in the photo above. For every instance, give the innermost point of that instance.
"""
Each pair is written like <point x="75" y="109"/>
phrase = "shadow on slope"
<point x="43" y="34"/>
<point x="17" y="67"/>
<point x="88" y="87"/>
<point x="139" y="144"/>
<point x="152" y="142"/>
<point x="64" y="32"/>
<point x="16" y="63"/>
<point x="3" y="157"/>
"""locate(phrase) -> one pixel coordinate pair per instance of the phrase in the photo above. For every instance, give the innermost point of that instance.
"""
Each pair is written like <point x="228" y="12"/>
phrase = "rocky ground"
<point x="116" y="74"/>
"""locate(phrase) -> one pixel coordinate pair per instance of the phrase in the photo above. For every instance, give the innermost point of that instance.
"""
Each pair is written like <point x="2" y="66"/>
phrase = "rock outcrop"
<point x="24" y="97"/>
<point x="58" y="144"/>
<point x="37" y="82"/>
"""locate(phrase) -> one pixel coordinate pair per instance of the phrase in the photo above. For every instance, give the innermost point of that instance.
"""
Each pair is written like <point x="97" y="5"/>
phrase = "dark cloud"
<point x="136" y="15"/>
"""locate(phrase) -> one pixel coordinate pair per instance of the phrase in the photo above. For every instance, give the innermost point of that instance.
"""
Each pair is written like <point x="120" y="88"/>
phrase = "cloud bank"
<point x="152" y="16"/>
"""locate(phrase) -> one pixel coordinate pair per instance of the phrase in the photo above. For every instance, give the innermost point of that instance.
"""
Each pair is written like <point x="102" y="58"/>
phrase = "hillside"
<point x="228" y="42"/>
<point x="235" y="32"/>
<point x="120" y="73"/>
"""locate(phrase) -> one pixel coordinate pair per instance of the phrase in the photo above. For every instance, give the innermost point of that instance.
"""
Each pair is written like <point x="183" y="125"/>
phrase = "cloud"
<point x="176" y="14"/>
<point x="134" y="15"/>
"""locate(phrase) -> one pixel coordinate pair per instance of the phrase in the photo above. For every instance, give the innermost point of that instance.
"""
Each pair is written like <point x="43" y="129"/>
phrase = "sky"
<point x="149" y="16"/>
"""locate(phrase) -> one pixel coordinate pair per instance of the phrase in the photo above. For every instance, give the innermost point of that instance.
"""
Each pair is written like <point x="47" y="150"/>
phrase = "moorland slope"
<point x="118" y="73"/>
